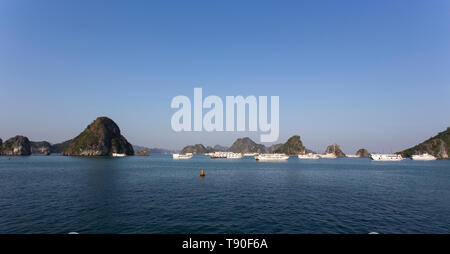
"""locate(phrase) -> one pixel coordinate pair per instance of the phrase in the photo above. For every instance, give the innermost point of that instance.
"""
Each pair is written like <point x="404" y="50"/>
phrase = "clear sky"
<point x="373" y="74"/>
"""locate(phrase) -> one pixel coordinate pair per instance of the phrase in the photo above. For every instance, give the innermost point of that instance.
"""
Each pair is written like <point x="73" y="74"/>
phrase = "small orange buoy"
<point x="202" y="173"/>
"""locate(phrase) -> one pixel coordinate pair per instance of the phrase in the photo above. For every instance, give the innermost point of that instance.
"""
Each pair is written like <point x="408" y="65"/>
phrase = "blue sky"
<point x="371" y="74"/>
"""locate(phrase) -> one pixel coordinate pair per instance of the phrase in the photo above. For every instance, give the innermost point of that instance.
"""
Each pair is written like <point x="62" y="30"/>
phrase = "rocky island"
<point x="246" y="145"/>
<point x="336" y="150"/>
<point x="362" y="153"/>
<point x="41" y="147"/>
<point x="101" y="138"/>
<point x="293" y="146"/>
<point x="18" y="145"/>
<point x="144" y="152"/>
<point x="59" y="148"/>
<point x="438" y="146"/>
<point x="220" y="148"/>
<point x="140" y="149"/>
<point x="196" y="149"/>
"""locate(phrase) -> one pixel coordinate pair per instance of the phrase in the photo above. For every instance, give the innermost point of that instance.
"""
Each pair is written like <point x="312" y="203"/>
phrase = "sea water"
<point x="156" y="194"/>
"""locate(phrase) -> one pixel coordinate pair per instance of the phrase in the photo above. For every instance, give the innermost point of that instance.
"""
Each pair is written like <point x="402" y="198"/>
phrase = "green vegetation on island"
<point x="241" y="145"/>
<point x="293" y="146"/>
<point x="101" y="138"/>
<point x="59" y="148"/>
<point x="18" y="145"/>
<point x="246" y="145"/>
<point x="363" y="153"/>
<point x="138" y="149"/>
<point x="336" y="150"/>
<point x="438" y="146"/>
<point x="197" y="149"/>
<point x="41" y="147"/>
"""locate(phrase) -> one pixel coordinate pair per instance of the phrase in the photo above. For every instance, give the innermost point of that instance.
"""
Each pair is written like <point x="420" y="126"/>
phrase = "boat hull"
<point x="386" y="157"/>
<point x="272" y="157"/>
<point x="181" y="156"/>
<point x="308" y="156"/>
<point x="423" y="157"/>
<point x="328" y="156"/>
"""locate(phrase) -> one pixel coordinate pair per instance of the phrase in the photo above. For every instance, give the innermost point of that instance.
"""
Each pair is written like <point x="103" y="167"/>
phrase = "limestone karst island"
<point x="103" y="138"/>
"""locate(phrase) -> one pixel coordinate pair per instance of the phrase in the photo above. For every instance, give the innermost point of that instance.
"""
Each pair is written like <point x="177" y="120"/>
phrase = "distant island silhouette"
<point x="103" y="138"/>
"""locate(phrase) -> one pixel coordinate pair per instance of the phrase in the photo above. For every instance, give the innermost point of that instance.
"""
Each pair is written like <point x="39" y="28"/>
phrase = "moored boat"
<point x="225" y="155"/>
<point x="328" y="156"/>
<point x="386" y="157"/>
<point x="218" y="155"/>
<point x="423" y="157"/>
<point x="309" y="156"/>
<point x="272" y="157"/>
<point x="177" y="156"/>
<point x="234" y="156"/>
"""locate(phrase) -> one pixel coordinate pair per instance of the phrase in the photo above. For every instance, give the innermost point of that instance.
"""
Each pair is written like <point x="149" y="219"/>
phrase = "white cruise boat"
<point x="218" y="155"/>
<point x="118" y="155"/>
<point x="386" y="157"/>
<point x="328" y="156"/>
<point x="177" y="156"/>
<point x="234" y="156"/>
<point x="352" y="156"/>
<point x="272" y="157"/>
<point x="250" y="154"/>
<point x="423" y="157"/>
<point x="309" y="156"/>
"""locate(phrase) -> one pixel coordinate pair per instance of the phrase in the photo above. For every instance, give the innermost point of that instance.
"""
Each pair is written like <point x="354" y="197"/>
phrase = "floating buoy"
<point x="202" y="173"/>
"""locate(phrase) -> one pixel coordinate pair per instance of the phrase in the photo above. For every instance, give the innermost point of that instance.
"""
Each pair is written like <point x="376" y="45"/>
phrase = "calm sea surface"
<point x="58" y="194"/>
